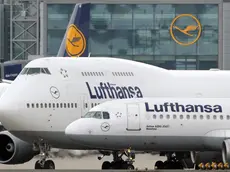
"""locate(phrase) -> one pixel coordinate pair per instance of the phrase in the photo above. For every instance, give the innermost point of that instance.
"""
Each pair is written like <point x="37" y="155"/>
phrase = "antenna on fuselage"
<point x="89" y="54"/>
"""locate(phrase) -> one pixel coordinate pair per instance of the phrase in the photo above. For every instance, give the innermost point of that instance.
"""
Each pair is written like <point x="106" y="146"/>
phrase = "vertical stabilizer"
<point x="74" y="43"/>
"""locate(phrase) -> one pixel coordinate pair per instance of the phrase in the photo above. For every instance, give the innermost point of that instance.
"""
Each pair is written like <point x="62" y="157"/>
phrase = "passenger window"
<point x="161" y="116"/>
<point x="168" y="116"/>
<point x="49" y="105"/>
<point x="228" y="117"/>
<point x="68" y="105"/>
<point x="214" y="116"/>
<point x="41" y="105"/>
<point x="32" y="105"/>
<point x="28" y="105"/>
<point x="208" y="117"/>
<point x="188" y="116"/>
<point x="92" y="105"/>
<point x="181" y="116"/>
<point x="71" y="105"/>
<point x="88" y="73"/>
<point x="37" y="105"/>
<point x="221" y="117"/>
<point x="64" y="105"/>
<point x="53" y="105"/>
<point x="86" y="105"/>
<point x="174" y="116"/>
<point x="45" y="105"/>
<point x="75" y="105"/>
<point x="57" y="105"/>
<point x="201" y="117"/>
<point x="154" y="116"/>
<point x="60" y="105"/>
<point x="194" y="116"/>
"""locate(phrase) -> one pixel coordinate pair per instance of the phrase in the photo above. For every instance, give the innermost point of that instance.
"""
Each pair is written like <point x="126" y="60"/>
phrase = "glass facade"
<point x="58" y="19"/>
<point x="170" y="36"/>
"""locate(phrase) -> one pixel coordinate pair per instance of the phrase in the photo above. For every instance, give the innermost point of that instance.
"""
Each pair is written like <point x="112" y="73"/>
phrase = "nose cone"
<point x="79" y="131"/>
<point x="75" y="129"/>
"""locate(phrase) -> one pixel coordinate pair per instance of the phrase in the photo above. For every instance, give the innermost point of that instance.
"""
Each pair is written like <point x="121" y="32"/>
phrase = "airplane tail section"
<point x="74" y="43"/>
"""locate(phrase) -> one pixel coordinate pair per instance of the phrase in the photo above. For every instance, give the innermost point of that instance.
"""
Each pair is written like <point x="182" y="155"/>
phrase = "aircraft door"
<point x="133" y="117"/>
<point x="85" y="105"/>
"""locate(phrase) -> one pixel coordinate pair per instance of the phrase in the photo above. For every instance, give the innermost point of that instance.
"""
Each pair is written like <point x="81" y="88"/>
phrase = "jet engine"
<point x="205" y="157"/>
<point x="226" y="151"/>
<point x="13" y="150"/>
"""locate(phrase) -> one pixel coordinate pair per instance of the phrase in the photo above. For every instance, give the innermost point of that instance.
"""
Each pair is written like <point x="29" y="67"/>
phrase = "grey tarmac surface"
<point x="89" y="162"/>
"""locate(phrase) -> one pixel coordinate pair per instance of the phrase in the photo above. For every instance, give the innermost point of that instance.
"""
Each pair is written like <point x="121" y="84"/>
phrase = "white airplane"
<point x="50" y="93"/>
<point x="156" y="124"/>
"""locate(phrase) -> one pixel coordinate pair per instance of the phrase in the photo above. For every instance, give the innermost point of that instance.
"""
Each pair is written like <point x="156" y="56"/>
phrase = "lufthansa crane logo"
<point x="105" y="126"/>
<point x="75" y="41"/>
<point x="187" y="35"/>
<point x="54" y="92"/>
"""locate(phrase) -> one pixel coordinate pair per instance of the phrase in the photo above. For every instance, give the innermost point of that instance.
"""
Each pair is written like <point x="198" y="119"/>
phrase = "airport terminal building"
<point x="173" y="34"/>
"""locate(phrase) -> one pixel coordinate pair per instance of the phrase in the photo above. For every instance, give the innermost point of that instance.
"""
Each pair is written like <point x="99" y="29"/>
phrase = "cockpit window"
<point x="97" y="115"/>
<point x="32" y="71"/>
<point x="35" y="71"/>
<point x="105" y="115"/>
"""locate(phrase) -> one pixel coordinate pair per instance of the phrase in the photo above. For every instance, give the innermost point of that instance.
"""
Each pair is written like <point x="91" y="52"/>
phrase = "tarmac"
<point x="90" y="162"/>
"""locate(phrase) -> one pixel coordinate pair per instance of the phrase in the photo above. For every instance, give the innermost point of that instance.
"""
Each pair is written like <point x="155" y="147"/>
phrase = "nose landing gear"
<point x="44" y="154"/>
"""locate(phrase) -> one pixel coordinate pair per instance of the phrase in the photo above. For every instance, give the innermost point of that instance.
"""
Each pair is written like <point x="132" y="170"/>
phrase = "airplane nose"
<point x="79" y="131"/>
<point x="74" y="129"/>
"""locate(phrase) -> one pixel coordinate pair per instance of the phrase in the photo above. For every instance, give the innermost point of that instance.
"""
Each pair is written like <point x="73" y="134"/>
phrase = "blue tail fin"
<point x="74" y="43"/>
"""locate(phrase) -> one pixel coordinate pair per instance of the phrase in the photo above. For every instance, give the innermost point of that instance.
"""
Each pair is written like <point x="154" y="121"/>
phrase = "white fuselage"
<point x="29" y="110"/>
<point x="152" y="124"/>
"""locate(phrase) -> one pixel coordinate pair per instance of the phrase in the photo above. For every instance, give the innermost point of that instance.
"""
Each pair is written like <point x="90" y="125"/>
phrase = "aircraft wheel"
<point x="130" y="167"/>
<point x="49" y="164"/>
<point x="37" y="165"/>
<point x="106" y="165"/>
<point x="159" y="165"/>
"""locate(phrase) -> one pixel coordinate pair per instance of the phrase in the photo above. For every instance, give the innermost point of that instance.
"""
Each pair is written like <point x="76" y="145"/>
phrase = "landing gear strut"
<point x="171" y="163"/>
<point x="118" y="162"/>
<point x="44" y="154"/>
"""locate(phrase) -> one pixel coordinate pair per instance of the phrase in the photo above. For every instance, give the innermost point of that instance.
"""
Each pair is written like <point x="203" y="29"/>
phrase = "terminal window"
<point x="141" y="32"/>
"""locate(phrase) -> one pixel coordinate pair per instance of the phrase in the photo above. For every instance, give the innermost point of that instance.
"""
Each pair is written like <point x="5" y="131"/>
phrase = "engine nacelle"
<point x="205" y="157"/>
<point x="13" y="150"/>
<point x="226" y="151"/>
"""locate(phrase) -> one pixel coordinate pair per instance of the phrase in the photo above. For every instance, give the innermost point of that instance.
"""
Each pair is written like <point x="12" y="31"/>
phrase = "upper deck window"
<point x="35" y="71"/>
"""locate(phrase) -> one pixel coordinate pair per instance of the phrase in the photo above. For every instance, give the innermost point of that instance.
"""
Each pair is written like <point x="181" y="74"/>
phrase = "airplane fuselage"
<point x="41" y="105"/>
<point x="165" y="124"/>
